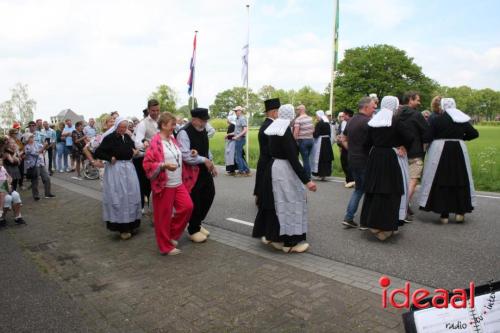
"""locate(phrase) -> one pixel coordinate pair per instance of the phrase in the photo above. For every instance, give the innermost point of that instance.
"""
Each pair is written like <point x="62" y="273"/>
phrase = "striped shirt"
<point x="305" y="125"/>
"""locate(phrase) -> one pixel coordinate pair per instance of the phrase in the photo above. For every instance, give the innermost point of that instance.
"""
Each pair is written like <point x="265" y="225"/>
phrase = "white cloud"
<point x="385" y="14"/>
<point x="97" y="56"/>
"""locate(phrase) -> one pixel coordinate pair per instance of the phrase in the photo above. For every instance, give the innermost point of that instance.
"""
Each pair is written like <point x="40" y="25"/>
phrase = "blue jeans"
<point x="238" y="155"/>
<point x="359" y="177"/>
<point x="305" y="148"/>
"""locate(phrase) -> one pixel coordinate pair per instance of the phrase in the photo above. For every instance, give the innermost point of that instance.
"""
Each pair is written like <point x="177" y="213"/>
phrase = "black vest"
<point x="198" y="140"/>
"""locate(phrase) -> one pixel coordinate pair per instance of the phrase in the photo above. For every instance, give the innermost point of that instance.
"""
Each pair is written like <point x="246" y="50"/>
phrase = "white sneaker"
<point x="350" y="185"/>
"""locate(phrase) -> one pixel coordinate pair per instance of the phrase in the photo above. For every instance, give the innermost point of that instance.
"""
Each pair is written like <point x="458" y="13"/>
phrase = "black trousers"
<point x="144" y="182"/>
<point x="345" y="166"/>
<point x="202" y="195"/>
<point x="50" y="153"/>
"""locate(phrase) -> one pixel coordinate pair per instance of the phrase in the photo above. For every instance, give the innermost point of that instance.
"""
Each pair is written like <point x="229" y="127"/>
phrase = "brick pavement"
<point x="126" y="286"/>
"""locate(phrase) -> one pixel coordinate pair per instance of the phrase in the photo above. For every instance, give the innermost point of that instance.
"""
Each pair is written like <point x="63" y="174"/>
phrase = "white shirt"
<point x="172" y="154"/>
<point x="146" y="129"/>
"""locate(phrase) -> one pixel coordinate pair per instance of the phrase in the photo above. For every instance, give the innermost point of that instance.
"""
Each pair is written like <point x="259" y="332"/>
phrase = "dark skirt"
<point x="123" y="227"/>
<point x="450" y="191"/>
<point x="325" y="159"/>
<point x="266" y="222"/>
<point x="383" y="190"/>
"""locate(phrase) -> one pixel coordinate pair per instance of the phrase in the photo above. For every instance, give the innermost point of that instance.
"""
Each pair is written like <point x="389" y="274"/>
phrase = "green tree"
<point x="488" y="103"/>
<point x="311" y="99"/>
<point x="20" y="107"/>
<point x="381" y="69"/>
<point x="167" y="98"/>
<point x="7" y="115"/>
<point x="184" y="111"/>
<point x="226" y="100"/>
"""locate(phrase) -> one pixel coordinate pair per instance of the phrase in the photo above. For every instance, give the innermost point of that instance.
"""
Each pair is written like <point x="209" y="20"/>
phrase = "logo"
<point x="440" y="297"/>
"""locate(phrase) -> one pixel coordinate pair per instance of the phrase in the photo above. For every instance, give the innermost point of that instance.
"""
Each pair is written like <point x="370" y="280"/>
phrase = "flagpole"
<point x="194" y="71"/>
<point x="249" y="113"/>
<point x="335" y="53"/>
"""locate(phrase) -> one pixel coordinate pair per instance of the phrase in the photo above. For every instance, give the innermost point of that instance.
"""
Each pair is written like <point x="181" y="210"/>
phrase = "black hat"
<point x="201" y="113"/>
<point x="31" y="123"/>
<point x="271" y="104"/>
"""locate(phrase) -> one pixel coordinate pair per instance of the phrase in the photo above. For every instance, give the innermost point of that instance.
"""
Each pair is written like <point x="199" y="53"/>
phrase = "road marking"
<point x="487" y="196"/>
<point x="239" y="221"/>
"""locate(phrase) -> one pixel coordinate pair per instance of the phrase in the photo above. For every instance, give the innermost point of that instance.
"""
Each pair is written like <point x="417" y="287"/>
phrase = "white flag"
<point x="244" y="69"/>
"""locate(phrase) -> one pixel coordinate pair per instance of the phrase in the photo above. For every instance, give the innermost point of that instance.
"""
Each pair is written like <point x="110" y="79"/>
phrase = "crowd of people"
<point x="163" y="163"/>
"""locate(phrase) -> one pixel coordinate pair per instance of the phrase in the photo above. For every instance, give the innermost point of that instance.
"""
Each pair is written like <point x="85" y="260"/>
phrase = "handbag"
<point x="30" y="173"/>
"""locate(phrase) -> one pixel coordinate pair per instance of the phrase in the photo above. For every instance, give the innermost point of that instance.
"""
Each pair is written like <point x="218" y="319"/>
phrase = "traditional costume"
<point x="322" y="154"/>
<point x="282" y="217"/>
<point x="385" y="183"/>
<point x="264" y="154"/>
<point x="168" y="192"/>
<point x="203" y="192"/>
<point x="229" y="148"/>
<point x="121" y="203"/>
<point x="447" y="185"/>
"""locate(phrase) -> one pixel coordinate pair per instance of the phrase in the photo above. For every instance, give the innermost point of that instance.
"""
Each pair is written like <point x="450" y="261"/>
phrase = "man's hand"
<point x="98" y="164"/>
<point x="311" y="186"/>
<point x="402" y="151"/>
<point x="215" y="173"/>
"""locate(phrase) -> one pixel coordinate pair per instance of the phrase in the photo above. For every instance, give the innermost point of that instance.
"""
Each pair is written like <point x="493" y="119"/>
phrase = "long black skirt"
<point x="123" y="227"/>
<point x="450" y="191"/>
<point x="325" y="159"/>
<point x="383" y="190"/>
<point x="266" y="222"/>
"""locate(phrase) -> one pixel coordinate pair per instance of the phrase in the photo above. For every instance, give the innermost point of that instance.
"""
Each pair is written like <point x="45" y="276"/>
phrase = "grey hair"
<point x="364" y="101"/>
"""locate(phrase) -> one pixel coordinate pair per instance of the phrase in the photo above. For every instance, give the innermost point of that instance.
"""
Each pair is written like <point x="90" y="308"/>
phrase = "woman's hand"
<point x="170" y="166"/>
<point x="113" y="160"/>
<point x="311" y="186"/>
<point x="194" y="152"/>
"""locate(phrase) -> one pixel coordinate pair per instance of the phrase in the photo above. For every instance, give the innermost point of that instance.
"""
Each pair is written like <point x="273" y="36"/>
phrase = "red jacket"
<point x="154" y="158"/>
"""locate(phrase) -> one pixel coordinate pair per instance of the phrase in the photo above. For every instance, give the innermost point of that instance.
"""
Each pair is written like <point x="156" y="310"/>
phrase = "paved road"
<point x="447" y="256"/>
<point x="126" y="286"/>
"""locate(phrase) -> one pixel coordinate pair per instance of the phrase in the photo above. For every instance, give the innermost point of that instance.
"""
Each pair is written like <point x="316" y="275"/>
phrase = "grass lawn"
<point x="484" y="154"/>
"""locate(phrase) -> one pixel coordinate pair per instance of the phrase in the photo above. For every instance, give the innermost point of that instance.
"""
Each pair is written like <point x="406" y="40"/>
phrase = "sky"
<point x="96" y="56"/>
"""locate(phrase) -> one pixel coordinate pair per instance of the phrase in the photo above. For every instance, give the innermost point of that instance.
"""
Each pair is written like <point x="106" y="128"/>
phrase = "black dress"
<point x="264" y="156"/>
<point x="231" y="168"/>
<point x="325" y="158"/>
<point x="266" y="222"/>
<point x="384" y="181"/>
<point x="450" y="191"/>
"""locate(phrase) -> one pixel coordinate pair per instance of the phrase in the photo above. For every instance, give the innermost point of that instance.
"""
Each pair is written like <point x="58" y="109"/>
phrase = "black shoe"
<point x="350" y="224"/>
<point x="401" y="223"/>
<point x="50" y="196"/>
<point x="36" y="198"/>
<point x="3" y="222"/>
<point x="20" y="220"/>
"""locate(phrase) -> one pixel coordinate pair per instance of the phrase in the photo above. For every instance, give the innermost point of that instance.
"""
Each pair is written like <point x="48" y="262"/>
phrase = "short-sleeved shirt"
<point x="356" y="131"/>
<point x="76" y="135"/>
<point x="69" y="139"/>
<point x="241" y="123"/>
<point x="89" y="131"/>
<point x="306" y="127"/>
